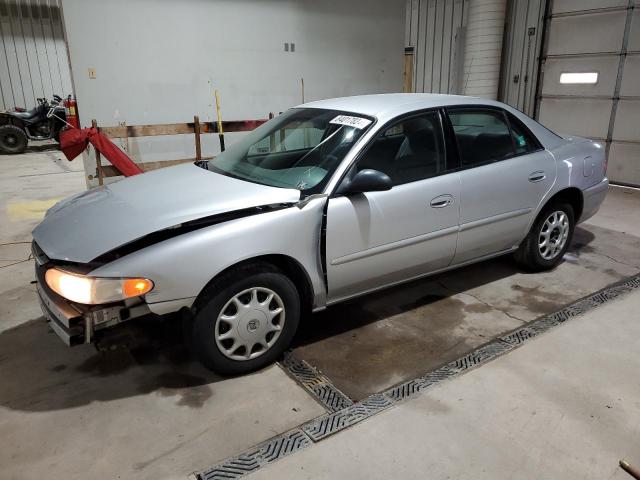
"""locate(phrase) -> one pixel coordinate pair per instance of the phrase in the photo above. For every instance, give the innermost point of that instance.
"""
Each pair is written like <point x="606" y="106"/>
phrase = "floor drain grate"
<point x="243" y="464"/>
<point x="477" y="357"/>
<point x="317" y="384"/>
<point x="324" y="426"/>
<point x="581" y="306"/>
<point x="416" y="385"/>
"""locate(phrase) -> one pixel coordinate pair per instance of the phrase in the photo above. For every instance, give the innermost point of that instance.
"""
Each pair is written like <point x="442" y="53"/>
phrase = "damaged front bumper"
<point x="77" y="324"/>
<point x="66" y="321"/>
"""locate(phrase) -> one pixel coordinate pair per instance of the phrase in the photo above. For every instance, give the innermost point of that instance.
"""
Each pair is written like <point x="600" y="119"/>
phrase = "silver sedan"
<point x="328" y="201"/>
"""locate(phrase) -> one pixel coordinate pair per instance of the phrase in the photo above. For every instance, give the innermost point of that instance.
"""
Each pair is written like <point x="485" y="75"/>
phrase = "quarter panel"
<point x="570" y="161"/>
<point x="182" y="266"/>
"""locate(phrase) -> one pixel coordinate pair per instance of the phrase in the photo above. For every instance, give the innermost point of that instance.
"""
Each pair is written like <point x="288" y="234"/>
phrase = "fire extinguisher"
<point x="71" y="111"/>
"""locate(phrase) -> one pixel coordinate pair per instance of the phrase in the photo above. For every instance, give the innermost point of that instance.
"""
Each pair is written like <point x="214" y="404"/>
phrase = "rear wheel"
<point x="245" y="320"/>
<point x="12" y="139"/>
<point x="548" y="238"/>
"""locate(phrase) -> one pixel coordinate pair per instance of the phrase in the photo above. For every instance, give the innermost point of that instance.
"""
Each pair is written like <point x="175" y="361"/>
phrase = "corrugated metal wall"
<point x="521" y="54"/>
<point x="435" y="28"/>
<point x="33" y="55"/>
<point x="603" y="37"/>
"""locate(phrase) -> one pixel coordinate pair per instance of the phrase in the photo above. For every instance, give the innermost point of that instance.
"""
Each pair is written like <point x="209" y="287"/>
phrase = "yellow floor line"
<point x="31" y="210"/>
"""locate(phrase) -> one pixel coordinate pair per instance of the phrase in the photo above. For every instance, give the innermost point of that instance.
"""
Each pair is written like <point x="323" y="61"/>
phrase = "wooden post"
<point x="99" y="171"/>
<point x="196" y="131"/>
<point x="126" y="138"/>
<point x="634" y="472"/>
<point x="408" y="70"/>
<point x="220" y="130"/>
<point x="272" y="137"/>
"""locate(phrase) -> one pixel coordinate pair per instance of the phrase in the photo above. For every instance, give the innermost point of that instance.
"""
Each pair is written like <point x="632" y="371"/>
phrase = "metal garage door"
<point x="591" y="78"/>
<point x="33" y="54"/>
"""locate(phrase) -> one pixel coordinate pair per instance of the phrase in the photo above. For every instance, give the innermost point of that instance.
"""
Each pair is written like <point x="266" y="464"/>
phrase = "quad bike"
<point x="43" y="122"/>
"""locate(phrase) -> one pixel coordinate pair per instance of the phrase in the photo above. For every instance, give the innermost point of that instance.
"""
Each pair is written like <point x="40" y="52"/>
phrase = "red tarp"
<point x="73" y="141"/>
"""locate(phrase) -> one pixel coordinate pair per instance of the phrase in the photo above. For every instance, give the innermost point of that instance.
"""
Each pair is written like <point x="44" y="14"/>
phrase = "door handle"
<point x="537" y="176"/>
<point x="442" y="201"/>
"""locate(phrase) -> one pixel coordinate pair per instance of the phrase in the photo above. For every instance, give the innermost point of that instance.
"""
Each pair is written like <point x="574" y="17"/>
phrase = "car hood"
<point x="85" y="226"/>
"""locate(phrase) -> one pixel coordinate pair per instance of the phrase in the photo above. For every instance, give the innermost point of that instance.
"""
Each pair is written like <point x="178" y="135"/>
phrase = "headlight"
<point x="92" y="290"/>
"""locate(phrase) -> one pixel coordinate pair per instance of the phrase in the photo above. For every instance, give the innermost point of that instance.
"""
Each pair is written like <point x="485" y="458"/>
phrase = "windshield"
<point x="299" y="149"/>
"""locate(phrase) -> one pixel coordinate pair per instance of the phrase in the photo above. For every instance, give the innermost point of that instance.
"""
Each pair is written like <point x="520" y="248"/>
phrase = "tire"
<point x="12" y="139"/>
<point x="220" y="344"/>
<point x="537" y="258"/>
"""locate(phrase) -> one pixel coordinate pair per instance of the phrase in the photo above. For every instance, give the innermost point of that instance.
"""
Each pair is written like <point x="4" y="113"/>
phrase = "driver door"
<point x="376" y="239"/>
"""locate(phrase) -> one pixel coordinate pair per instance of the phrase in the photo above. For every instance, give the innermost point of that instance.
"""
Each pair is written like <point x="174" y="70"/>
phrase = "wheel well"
<point x="287" y="265"/>
<point x="572" y="196"/>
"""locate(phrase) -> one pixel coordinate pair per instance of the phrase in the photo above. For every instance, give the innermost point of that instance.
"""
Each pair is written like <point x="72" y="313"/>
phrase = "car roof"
<point x="389" y="105"/>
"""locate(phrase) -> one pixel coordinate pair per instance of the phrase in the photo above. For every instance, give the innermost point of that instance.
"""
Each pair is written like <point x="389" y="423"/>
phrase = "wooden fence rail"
<point x="196" y="128"/>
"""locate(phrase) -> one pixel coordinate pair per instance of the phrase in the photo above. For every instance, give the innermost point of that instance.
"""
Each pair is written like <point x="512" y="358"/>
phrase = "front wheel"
<point x="245" y="320"/>
<point x="12" y="139"/>
<point x="548" y="238"/>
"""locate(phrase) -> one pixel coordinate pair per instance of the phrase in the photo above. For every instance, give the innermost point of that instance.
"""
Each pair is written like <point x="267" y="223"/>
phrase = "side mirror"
<point x="367" y="180"/>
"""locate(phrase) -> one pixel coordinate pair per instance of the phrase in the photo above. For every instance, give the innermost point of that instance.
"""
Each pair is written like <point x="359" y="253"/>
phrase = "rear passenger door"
<point x="376" y="239"/>
<point x="504" y="175"/>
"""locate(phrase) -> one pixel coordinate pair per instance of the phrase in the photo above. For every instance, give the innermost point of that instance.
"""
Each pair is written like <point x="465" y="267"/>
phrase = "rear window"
<point x="523" y="139"/>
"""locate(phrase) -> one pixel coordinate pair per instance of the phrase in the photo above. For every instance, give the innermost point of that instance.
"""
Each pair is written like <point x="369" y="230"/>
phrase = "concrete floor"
<point x="74" y="413"/>
<point x="564" y="406"/>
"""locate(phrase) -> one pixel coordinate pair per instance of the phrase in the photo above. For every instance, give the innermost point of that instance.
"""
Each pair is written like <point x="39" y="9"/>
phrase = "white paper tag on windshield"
<point x="355" y="122"/>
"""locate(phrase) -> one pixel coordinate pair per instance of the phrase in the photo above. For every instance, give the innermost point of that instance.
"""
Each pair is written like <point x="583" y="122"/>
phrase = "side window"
<point x="523" y="139"/>
<point x="410" y="150"/>
<point x="482" y="135"/>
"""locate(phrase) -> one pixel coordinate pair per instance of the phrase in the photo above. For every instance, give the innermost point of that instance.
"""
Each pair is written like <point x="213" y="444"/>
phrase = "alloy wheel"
<point x="553" y="235"/>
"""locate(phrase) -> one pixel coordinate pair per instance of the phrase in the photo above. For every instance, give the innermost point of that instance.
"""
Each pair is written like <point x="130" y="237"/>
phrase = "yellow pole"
<point x="220" y="130"/>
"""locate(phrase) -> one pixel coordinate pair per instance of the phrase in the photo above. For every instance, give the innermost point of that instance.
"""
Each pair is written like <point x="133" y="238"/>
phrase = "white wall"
<point x="159" y="61"/>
